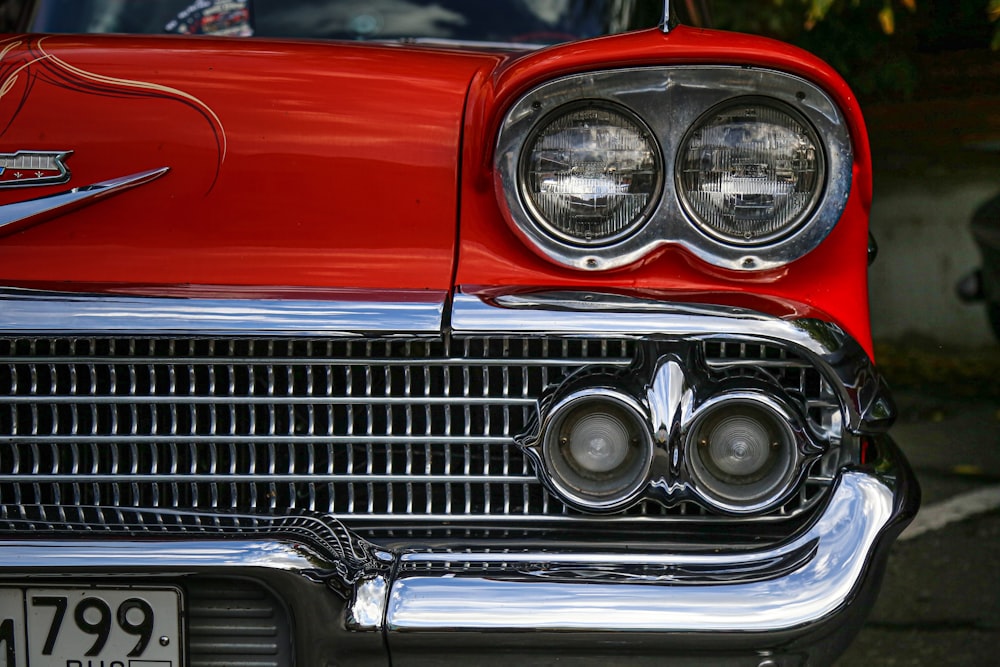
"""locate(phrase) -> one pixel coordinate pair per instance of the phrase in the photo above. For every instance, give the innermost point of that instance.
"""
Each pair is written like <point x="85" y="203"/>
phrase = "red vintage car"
<point x="339" y="332"/>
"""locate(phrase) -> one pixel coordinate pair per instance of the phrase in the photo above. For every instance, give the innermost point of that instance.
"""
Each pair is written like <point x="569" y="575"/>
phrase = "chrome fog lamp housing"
<point x="742" y="453"/>
<point x="597" y="449"/>
<point x="590" y="173"/>
<point x="750" y="172"/>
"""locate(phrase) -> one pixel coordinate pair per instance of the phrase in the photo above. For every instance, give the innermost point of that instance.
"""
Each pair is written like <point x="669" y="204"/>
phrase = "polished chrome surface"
<point x="31" y="168"/>
<point x="376" y="431"/>
<point x="670" y="100"/>
<point x="35" y="311"/>
<point x="822" y="345"/>
<point x="62" y="555"/>
<point x="19" y="215"/>
<point x="367" y="609"/>
<point x="841" y="543"/>
<point x="666" y="23"/>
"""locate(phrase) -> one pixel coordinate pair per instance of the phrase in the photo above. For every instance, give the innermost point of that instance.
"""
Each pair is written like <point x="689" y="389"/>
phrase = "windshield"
<point x="505" y="21"/>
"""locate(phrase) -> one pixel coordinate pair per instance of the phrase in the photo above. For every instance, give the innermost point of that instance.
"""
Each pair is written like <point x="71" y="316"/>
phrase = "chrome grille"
<point x="368" y="431"/>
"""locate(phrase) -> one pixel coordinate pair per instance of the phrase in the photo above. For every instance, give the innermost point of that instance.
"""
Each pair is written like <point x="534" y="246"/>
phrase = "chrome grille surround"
<point x="378" y="431"/>
<point x="388" y="435"/>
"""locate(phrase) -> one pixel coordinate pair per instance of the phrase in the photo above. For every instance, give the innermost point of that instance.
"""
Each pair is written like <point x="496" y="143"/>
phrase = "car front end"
<point x="319" y="352"/>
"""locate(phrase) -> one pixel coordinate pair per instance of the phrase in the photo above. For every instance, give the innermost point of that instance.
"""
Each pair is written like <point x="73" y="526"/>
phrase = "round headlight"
<point x="597" y="451"/>
<point x="590" y="174"/>
<point x="742" y="454"/>
<point x="750" y="172"/>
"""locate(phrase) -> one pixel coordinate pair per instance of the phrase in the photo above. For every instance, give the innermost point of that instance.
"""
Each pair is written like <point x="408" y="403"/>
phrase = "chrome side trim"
<point x="846" y="535"/>
<point x="863" y="394"/>
<point x="20" y="215"/>
<point x="665" y="24"/>
<point x="49" y="312"/>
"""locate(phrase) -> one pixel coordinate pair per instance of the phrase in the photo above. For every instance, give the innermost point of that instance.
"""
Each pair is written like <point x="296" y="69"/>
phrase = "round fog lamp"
<point x="597" y="450"/>
<point x="750" y="172"/>
<point x="742" y="455"/>
<point x="590" y="174"/>
<point x="598" y="443"/>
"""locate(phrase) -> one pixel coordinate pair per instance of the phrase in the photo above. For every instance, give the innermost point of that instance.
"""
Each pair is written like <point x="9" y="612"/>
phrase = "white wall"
<point x="925" y="248"/>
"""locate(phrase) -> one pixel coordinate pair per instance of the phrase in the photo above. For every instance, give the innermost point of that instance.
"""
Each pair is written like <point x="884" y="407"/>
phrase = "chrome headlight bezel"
<point x="670" y="101"/>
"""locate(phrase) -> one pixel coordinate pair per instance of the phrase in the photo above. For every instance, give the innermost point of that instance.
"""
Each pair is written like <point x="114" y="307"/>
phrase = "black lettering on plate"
<point x="7" y="639"/>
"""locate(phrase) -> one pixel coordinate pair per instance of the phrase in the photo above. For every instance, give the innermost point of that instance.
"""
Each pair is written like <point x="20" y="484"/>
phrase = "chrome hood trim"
<point x="20" y="215"/>
<point x="405" y="311"/>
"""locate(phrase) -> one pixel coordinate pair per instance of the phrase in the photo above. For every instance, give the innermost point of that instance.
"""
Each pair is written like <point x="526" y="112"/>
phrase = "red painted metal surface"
<point x="291" y="164"/>
<point x="830" y="282"/>
<point x="336" y="166"/>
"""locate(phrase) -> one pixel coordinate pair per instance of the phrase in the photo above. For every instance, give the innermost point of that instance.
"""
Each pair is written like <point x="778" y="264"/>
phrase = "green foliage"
<point x="873" y="43"/>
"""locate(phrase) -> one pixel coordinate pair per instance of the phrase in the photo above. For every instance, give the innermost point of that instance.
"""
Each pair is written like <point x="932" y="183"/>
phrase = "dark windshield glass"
<point x="517" y="21"/>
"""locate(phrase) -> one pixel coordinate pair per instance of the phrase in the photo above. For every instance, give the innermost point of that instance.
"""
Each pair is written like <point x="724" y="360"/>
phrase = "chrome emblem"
<point x="30" y="168"/>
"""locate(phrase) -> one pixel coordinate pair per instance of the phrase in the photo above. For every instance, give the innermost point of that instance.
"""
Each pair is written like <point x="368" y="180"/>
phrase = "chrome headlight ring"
<point x="671" y="102"/>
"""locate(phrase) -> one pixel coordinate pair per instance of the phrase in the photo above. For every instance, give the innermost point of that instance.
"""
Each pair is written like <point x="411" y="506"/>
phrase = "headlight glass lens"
<point x="590" y="174"/>
<point x="750" y="172"/>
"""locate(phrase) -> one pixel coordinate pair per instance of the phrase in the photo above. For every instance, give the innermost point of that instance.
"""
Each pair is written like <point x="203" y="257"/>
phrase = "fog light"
<point x="742" y="453"/>
<point x="597" y="449"/>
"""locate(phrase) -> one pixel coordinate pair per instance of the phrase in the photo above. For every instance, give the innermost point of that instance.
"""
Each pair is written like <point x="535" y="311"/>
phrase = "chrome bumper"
<point x="803" y="599"/>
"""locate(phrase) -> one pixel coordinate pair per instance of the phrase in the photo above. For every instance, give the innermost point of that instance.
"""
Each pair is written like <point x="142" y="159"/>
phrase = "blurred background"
<point x="927" y="75"/>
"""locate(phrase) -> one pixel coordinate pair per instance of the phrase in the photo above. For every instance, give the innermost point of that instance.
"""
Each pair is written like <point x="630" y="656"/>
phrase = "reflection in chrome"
<point x="367" y="609"/>
<point x="670" y="100"/>
<point x="342" y="558"/>
<point x="868" y="405"/>
<point x="23" y="169"/>
<point x="35" y="311"/>
<point x="861" y="509"/>
<point x="20" y="215"/>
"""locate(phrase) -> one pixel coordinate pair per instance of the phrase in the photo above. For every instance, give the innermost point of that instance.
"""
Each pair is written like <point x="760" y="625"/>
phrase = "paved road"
<point x="940" y="602"/>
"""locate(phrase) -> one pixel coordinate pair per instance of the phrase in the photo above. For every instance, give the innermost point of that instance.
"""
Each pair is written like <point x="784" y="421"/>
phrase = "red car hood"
<point x="287" y="164"/>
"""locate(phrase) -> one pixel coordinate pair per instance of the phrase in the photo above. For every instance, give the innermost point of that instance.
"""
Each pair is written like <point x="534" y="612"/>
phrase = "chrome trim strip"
<point x="861" y="509"/>
<point x="36" y="312"/>
<point x="590" y="313"/>
<point x="20" y="215"/>
<point x="34" y="555"/>
<point x="862" y="392"/>
<point x="665" y="25"/>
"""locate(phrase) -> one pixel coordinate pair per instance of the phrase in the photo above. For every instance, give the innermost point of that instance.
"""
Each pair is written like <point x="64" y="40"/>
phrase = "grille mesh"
<point x="367" y="431"/>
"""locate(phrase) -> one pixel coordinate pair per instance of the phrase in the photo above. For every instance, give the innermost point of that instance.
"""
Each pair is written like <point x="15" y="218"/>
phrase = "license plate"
<point x="90" y="627"/>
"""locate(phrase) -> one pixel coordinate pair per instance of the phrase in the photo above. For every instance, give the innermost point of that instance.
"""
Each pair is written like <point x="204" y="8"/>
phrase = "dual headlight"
<point x="748" y="169"/>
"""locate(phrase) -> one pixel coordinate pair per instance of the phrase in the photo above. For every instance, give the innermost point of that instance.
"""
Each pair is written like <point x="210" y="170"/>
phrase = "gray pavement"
<point x="940" y="601"/>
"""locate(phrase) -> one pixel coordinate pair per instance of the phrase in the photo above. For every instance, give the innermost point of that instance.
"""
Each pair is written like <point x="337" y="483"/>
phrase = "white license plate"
<point x="95" y="626"/>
